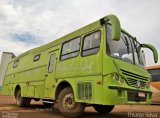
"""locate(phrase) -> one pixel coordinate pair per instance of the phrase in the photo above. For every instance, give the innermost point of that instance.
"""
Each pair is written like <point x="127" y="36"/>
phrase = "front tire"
<point x="103" y="109"/>
<point x="66" y="104"/>
<point x="22" y="101"/>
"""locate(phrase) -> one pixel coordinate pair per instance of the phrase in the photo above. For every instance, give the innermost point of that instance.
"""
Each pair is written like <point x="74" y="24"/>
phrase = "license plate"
<point x="141" y="95"/>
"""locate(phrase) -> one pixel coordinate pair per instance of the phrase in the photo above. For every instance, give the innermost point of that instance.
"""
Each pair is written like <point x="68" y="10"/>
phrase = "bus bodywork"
<point x="99" y="64"/>
<point x="155" y="83"/>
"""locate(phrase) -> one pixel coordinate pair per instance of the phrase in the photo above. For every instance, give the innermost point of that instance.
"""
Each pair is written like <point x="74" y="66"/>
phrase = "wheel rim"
<point x="68" y="102"/>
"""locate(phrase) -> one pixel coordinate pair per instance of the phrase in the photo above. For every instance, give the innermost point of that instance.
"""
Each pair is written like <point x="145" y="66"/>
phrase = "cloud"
<point x="25" y="24"/>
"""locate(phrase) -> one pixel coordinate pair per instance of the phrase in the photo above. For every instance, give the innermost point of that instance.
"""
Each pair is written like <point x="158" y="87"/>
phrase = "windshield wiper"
<point x="125" y="40"/>
<point x="137" y="50"/>
<point x="135" y="46"/>
<point x="127" y="44"/>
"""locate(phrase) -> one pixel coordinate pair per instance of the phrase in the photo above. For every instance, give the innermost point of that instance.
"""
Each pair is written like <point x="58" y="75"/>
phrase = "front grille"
<point x="132" y="79"/>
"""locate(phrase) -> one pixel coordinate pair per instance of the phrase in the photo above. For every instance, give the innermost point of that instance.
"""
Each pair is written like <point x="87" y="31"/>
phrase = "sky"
<point x="25" y="24"/>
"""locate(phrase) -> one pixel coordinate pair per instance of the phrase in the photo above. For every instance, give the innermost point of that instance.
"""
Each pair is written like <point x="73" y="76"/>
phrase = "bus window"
<point x="121" y="49"/>
<point x="70" y="48"/>
<point x="36" y="57"/>
<point x="155" y="73"/>
<point x="91" y="44"/>
<point x="15" y="64"/>
<point x="51" y="63"/>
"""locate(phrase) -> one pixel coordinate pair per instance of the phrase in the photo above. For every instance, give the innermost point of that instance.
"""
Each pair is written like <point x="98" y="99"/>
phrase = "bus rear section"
<point x="155" y="83"/>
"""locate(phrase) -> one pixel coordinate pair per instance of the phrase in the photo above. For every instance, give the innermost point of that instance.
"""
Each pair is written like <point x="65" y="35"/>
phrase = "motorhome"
<point x="100" y="64"/>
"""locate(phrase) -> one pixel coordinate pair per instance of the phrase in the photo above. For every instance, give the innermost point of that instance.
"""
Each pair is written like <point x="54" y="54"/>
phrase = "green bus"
<point x="99" y="64"/>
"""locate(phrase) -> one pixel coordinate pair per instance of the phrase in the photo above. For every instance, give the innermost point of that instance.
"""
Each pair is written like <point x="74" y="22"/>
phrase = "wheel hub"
<point x="68" y="101"/>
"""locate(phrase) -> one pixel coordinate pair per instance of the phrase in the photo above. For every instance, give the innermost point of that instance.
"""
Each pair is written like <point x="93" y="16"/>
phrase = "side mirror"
<point x="115" y="23"/>
<point x="143" y="57"/>
<point x="151" y="47"/>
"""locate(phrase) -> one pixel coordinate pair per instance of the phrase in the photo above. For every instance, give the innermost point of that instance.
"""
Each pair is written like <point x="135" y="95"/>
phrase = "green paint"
<point x="90" y="76"/>
<point x="153" y="49"/>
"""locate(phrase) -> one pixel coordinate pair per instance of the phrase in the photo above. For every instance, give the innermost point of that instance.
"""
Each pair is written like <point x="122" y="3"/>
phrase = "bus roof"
<point x="69" y="36"/>
<point x="153" y="67"/>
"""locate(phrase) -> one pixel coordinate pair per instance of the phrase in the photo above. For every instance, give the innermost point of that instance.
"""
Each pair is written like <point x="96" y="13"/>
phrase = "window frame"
<point x="52" y="63"/>
<point x="34" y="60"/>
<point x="70" y="52"/>
<point x="14" y="64"/>
<point x="93" y="47"/>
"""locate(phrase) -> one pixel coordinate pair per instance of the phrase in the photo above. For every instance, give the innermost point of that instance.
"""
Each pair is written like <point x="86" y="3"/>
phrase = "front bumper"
<point x="121" y="95"/>
<point x="128" y="89"/>
<point x="132" y="94"/>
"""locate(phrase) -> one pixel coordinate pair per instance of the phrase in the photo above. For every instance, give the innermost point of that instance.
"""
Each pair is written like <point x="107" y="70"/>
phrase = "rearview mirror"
<point x="116" y="27"/>
<point x="153" y="49"/>
<point x="143" y="57"/>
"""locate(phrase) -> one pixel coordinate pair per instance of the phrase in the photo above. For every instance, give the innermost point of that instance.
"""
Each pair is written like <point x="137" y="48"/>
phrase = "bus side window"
<point x="51" y="63"/>
<point x="15" y="64"/>
<point x="36" y="57"/>
<point x="70" y="48"/>
<point x="91" y="44"/>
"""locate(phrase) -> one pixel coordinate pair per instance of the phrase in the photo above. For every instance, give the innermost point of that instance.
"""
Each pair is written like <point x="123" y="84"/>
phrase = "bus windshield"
<point x="126" y="49"/>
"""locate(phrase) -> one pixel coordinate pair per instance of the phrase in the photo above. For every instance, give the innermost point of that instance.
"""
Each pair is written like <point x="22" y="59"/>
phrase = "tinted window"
<point x="15" y="64"/>
<point x="70" y="48"/>
<point x="91" y="44"/>
<point x="155" y="73"/>
<point x="51" y="63"/>
<point x="36" y="57"/>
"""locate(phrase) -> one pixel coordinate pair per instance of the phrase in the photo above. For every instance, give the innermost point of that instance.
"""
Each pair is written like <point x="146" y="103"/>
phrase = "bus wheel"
<point x="103" y="109"/>
<point x="21" y="101"/>
<point x="66" y="104"/>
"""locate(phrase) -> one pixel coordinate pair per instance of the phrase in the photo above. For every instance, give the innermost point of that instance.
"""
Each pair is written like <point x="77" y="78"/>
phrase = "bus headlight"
<point x="117" y="77"/>
<point x="122" y="80"/>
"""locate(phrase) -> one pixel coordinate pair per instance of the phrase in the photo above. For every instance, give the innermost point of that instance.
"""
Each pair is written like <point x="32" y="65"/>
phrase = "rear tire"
<point x="103" y="109"/>
<point x="66" y="104"/>
<point x="22" y="101"/>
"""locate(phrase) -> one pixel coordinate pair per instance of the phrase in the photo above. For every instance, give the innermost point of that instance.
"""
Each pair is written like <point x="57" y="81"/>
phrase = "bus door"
<point x="50" y="75"/>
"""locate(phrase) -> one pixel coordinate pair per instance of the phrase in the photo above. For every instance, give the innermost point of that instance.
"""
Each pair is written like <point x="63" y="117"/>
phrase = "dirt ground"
<point x="8" y="109"/>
